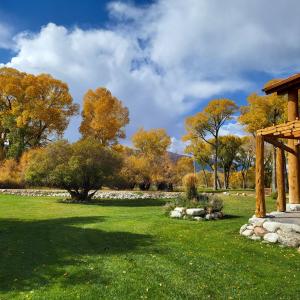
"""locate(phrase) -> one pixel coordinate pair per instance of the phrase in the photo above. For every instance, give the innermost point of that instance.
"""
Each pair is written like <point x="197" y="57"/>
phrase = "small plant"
<point x="274" y="195"/>
<point x="214" y="204"/>
<point x="190" y="185"/>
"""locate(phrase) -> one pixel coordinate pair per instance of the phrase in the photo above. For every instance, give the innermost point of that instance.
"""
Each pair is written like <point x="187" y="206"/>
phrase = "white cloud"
<point x="177" y="146"/>
<point x="166" y="58"/>
<point x="6" y="34"/>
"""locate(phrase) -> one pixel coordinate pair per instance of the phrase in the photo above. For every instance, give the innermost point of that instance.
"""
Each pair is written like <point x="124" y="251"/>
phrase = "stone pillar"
<point x="260" y="211"/>
<point x="293" y="160"/>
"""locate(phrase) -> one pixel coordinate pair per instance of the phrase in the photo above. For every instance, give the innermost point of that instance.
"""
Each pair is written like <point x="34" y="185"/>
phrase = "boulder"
<point x="243" y="228"/>
<point x="292" y="207"/>
<point x="175" y="214"/>
<point x="247" y="232"/>
<point x="180" y="209"/>
<point x="290" y="239"/>
<point x="271" y="226"/>
<point x="255" y="237"/>
<point x="195" y="211"/>
<point x="209" y="217"/>
<point x="271" y="237"/>
<point x="259" y="231"/>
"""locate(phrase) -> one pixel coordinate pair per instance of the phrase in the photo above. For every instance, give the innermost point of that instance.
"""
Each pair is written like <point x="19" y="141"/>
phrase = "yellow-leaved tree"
<point x="208" y="123"/>
<point x="104" y="117"/>
<point x="33" y="109"/>
<point x="261" y="112"/>
<point x="152" y="148"/>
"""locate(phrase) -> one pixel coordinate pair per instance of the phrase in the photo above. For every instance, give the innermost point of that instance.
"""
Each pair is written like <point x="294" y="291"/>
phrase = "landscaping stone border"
<point x="269" y="231"/>
<point x="99" y="195"/>
<point x="197" y="214"/>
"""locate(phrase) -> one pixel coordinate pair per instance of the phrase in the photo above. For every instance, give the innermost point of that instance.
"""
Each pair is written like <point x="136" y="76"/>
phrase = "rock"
<point x="259" y="223"/>
<point x="255" y="238"/>
<point x="175" y="214"/>
<point x="247" y="232"/>
<point x="296" y="228"/>
<point x="290" y="239"/>
<point x="198" y="218"/>
<point x="180" y="209"/>
<point x="195" y="211"/>
<point x="271" y="226"/>
<point x="286" y="227"/>
<point x="259" y="231"/>
<point x="209" y="217"/>
<point x="271" y="237"/>
<point x="243" y="228"/>
<point x="250" y="227"/>
<point x="243" y="194"/>
<point x="225" y="193"/>
<point x="292" y="207"/>
<point x="254" y="219"/>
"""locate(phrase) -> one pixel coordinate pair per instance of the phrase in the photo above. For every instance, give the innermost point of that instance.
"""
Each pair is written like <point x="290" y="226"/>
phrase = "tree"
<point x="264" y="111"/>
<point x="79" y="168"/>
<point x="103" y="117"/>
<point x="229" y="148"/>
<point x="184" y="165"/>
<point x="246" y="158"/>
<point x="203" y="154"/>
<point x="152" y="143"/>
<point x="208" y="123"/>
<point x="33" y="109"/>
<point x="151" y="147"/>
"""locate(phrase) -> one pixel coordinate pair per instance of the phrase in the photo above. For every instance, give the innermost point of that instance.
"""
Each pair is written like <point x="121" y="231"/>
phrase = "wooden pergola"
<point x="273" y="135"/>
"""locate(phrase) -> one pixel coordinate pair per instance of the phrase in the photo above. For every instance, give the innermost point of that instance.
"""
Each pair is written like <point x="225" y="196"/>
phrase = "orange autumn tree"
<point x="152" y="148"/>
<point x="208" y="123"/>
<point x="33" y="109"/>
<point x="261" y="112"/>
<point x="104" y="117"/>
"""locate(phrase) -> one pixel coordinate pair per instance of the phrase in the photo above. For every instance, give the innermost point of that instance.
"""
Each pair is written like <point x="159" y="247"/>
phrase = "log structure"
<point x="291" y="132"/>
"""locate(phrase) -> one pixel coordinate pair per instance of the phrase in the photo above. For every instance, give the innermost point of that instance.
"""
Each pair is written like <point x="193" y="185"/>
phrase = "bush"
<point x="10" y="174"/>
<point x="210" y="203"/>
<point x="274" y="195"/>
<point x="79" y="168"/>
<point x="190" y="185"/>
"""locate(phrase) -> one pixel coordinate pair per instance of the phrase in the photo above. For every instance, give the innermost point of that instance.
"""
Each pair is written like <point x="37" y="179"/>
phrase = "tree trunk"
<point x="243" y="180"/>
<point x="216" y="165"/>
<point x="81" y="195"/>
<point x="205" y="177"/>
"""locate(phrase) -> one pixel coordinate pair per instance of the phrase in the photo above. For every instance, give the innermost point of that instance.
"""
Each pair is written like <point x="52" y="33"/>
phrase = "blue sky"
<point x="164" y="59"/>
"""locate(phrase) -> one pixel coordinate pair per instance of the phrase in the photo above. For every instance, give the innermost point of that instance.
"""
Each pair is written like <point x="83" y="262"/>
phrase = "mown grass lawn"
<point x="129" y="250"/>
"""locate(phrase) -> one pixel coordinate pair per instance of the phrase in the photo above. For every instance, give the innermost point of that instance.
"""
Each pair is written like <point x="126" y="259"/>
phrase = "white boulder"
<point x="271" y="226"/>
<point x="247" y="232"/>
<point x="271" y="237"/>
<point x="175" y="214"/>
<point x="195" y="211"/>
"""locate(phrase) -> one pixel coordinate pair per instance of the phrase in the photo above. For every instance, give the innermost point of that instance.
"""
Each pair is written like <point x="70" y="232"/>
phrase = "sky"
<point x="165" y="59"/>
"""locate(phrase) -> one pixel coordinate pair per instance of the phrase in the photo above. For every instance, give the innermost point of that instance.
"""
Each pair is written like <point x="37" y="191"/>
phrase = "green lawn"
<point x="123" y="249"/>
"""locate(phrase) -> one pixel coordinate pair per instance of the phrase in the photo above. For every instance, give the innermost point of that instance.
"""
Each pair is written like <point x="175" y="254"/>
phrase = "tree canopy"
<point x="32" y="110"/>
<point x="79" y="168"/>
<point x="103" y="117"/>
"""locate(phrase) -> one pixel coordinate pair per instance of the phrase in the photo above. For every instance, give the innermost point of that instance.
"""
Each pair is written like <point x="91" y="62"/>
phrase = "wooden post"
<point x="260" y="211"/>
<point x="281" y="200"/>
<point x="293" y="160"/>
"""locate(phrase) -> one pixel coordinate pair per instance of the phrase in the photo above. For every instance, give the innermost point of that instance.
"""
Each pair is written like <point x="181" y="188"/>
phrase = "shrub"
<point x="10" y="174"/>
<point x="190" y="185"/>
<point x="79" y="168"/>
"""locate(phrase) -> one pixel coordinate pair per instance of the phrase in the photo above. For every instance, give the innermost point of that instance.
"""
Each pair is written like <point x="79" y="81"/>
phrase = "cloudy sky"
<point x="164" y="59"/>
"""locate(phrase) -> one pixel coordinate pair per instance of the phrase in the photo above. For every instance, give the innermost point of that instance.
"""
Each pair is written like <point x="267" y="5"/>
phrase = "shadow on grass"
<point x="36" y="253"/>
<point x="226" y="216"/>
<point x="123" y="202"/>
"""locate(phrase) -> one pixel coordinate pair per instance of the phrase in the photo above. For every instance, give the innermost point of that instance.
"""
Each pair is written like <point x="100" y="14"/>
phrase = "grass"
<point x="128" y="249"/>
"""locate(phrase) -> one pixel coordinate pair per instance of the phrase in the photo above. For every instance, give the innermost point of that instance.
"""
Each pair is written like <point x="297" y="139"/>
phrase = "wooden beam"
<point x="260" y="211"/>
<point x="280" y="145"/>
<point x="281" y="199"/>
